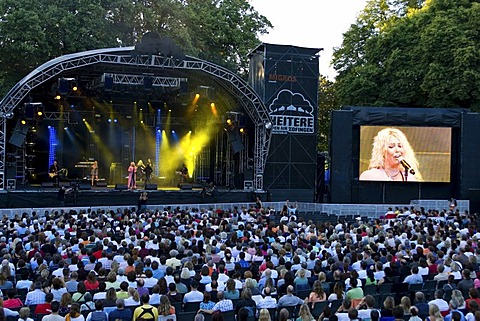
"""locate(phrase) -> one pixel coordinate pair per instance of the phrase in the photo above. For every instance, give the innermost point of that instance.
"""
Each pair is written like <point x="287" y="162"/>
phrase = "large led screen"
<point x="405" y="154"/>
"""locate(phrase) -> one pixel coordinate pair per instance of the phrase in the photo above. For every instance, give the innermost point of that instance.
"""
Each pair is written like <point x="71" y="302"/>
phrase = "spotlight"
<point x="197" y="96"/>
<point x="268" y="125"/>
<point x="109" y="120"/>
<point x="98" y="116"/>
<point x="159" y="131"/>
<point x="72" y="106"/>
<point x="141" y="122"/>
<point x="169" y="110"/>
<point x="39" y="113"/>
<point x="74" y="88"/>
<point x="189" y="131"/>
<point x="115" y="120"/>
<point x="141" y="109"/>
<point x="58" y="97"/>
<point x="49" y="127"/>
<point x="173" y="132"/>
<point x="9" y="115"/>
<point x="65" y="128"/>
<point x="83" y="119"/>
<point x="229" y="121"/>
<point x="212" y="105"/>
<point x="242" y="130"/>
<point x="24" y="122"/>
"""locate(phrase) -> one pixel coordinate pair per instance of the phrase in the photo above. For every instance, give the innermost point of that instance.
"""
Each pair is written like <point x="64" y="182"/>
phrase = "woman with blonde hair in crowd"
<point x="133" y="297"/>
<point x="457" y="294"/>
<point x="264" y="315"/>
<point x="165" y="308"/>
<point x="406" y="304"/>
<point x="434" y="313"/>
<point x="304" y="313"/>
<point x="390" y="150"/>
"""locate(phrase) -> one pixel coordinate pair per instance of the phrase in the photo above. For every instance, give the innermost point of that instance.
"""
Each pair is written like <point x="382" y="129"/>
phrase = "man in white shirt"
<point x="267" y="302"/>
<point x="440" y="302"/>
<point x="194" y="295"/>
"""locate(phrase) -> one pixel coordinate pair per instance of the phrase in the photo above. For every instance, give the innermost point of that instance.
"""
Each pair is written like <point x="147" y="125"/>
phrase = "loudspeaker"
<point x="47" y="184"/>
<point x="151" y="187"/>
<point x="121" y="187"/>
<point x="186" y="186"/>
<point x="102" y="183"/>
<point x="84" y="186"/>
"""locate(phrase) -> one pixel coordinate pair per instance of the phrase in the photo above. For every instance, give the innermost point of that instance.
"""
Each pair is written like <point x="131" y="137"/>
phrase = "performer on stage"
<point x="53" y="172"/>
<point x="184" y="173"/>
<point x="148" y="170"/>
<point x="132" y="176"/>
<point x="94" y="172"/>
<point x="140" y="170"/>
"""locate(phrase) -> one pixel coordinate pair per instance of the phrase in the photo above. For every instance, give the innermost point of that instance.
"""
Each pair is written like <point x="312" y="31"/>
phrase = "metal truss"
<point x="247" y="97"/>
<point x="139" y="80"/>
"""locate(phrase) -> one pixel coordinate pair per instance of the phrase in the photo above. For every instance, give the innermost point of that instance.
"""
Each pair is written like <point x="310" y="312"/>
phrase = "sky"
<point x="310" y="23"/>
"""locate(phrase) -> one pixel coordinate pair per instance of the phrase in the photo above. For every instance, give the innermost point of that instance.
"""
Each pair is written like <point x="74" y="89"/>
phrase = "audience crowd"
<point x="241" y="264"/>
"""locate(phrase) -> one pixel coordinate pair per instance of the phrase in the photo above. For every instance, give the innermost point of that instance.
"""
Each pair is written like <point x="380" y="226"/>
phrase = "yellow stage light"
<point x="24" y="122"/>
<point x="197" y="96"/>
<point x="242" y="130"/>
<point x="75" y="88"/>
<point x="212" y="105"/>
<point x="39" y="113"/>
<point x="83" y="119"/>
<point x="58" y="97"/>
<point x="229" y="121"/>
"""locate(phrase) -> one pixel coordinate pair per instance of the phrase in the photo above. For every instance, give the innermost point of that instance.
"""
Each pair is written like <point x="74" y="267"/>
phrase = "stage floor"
<point x="37" y="196"/>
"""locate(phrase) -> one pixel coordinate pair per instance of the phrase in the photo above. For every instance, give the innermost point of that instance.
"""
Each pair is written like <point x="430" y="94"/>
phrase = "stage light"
<point x="98" y="116"/>
<point x="109" y="120"/>
<point x="58" y="97"/>
<point x="141" y="109"/>
<point x="74" y="88"/>
<point x="189" y="131"/>
<point x="83" y="119"/>
<point x="115" y="120"/>
<point x="229" y="121"/>
<point x="24" y="122"/>
<point x="212" y="105"/>
<point x="268" y="125"/>
<point x="169" y="110"/>
<point x="242" y="130"/>
<point x="49" y="127"/>
<point x="72" y="106"/>
<point x="173" y="132"/>
<point x="141" y="122"/>
<point x="159" y="131"/>
<point x="39" y="113"/>
<point x="65" y="128"/>
<point x="197" y="96"/>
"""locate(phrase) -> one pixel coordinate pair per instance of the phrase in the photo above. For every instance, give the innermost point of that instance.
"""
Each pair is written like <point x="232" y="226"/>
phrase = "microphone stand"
<point x="406" y="174"/>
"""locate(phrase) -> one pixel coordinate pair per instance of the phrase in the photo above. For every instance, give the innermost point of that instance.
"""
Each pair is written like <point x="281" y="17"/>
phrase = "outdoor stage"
<point x="35" y="197"/>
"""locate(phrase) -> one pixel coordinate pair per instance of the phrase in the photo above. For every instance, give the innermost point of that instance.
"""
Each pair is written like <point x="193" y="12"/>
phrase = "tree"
<point x="327" y="102"/>
<point x="422" y="55"/>
<point x="33" y="32"/>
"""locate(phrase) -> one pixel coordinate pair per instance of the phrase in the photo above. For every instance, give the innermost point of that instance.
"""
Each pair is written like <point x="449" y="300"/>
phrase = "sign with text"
<point x="291" y="113"/>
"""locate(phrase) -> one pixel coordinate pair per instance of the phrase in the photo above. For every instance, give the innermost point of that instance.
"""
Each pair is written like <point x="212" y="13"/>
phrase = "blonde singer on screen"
<point x="390" y="147"/>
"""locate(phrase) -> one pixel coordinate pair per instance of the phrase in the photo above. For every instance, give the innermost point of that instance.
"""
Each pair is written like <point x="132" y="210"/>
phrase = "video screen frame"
<point x="426" y="151"/>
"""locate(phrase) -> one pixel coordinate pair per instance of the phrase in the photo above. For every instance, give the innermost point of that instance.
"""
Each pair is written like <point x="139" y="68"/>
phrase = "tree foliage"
<point x="411" y="53"/>
<point x="327" y="102"/>
<point x="33" y="32"/>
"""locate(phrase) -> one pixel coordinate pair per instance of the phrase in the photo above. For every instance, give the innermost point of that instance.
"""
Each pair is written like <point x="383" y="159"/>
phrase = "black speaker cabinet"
<point x="151" y="187"/>
<point x="121" y="187"/>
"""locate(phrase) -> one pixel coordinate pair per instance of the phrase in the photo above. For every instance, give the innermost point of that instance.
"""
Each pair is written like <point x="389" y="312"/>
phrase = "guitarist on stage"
<point x="53" y="172"/>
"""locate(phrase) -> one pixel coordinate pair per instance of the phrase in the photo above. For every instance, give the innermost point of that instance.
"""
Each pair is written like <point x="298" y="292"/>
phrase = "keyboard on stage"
<point x="83" y="164"/>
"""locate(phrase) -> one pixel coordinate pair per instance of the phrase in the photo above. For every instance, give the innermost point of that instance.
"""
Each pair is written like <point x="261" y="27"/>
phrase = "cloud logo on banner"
<point x="289" y="103"/>
<point x="291" y="113"/>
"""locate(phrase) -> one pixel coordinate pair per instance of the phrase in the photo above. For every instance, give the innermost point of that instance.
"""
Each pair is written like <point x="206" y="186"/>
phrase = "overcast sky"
<point x="310" y="23"/>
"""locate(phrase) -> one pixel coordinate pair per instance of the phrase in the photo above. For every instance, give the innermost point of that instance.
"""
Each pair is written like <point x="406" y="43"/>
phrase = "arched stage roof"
<point x="93" y="64"/>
